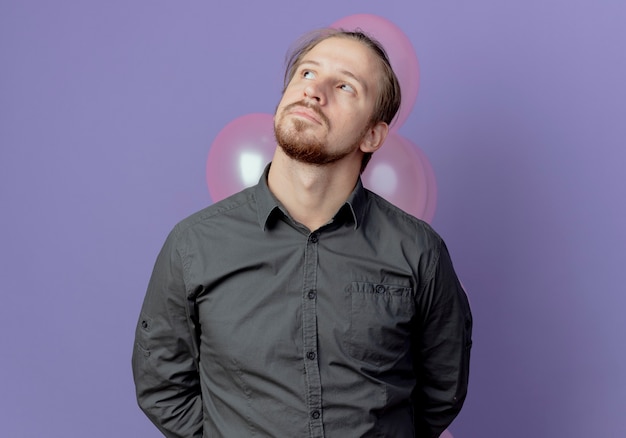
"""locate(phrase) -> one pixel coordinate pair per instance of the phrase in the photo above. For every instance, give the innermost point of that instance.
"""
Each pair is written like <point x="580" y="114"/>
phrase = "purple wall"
<point x="107" y="112"/>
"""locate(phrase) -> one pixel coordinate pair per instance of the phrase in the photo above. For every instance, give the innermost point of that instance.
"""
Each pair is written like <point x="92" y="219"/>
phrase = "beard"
<point x="304" y="147"/>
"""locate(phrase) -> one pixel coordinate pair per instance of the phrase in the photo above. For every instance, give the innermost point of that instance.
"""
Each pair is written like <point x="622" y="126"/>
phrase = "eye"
<point x="308" y="74"/>
<point x="347" y="87"/>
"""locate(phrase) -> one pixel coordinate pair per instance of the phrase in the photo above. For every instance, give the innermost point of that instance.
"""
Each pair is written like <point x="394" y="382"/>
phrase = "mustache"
<point x="316" y="109"/>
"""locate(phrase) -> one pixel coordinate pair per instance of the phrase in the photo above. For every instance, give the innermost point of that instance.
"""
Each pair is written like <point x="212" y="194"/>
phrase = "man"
<point x="307" y="306"/>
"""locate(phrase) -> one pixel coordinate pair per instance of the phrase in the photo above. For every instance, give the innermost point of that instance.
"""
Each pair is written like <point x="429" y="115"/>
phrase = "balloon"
<point x="401" y="55"/>
<point x="239" y="154"/>
<point x="398" y="173"/>
<point x="431" y="183"/>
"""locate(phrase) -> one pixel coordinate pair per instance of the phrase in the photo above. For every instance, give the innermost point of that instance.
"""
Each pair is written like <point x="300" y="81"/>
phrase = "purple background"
<point x="107" y="112"/>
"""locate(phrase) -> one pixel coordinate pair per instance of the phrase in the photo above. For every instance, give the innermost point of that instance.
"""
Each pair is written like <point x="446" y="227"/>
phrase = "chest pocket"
<point x="380" y="317"/>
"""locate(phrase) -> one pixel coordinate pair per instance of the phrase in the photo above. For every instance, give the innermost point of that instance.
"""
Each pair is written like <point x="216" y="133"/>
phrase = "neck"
<point x="312" y="194"/>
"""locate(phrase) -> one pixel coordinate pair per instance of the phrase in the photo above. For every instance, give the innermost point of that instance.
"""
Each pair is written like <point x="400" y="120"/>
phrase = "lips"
<point x="307" y="111"/>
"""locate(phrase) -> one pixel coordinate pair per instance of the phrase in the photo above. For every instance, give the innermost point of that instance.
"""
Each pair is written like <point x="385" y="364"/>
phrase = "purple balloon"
<point x="239" y="154"/>
<point x="401" y="55"/>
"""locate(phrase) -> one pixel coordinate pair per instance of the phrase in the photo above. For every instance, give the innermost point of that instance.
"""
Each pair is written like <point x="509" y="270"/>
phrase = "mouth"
<point x="308" y="112"/>
<point x="306" y="115"/>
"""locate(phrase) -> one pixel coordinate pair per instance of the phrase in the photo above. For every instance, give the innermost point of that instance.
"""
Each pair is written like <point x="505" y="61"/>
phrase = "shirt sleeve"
<point x="164" y="354"/>
<point x="442" y="343"/>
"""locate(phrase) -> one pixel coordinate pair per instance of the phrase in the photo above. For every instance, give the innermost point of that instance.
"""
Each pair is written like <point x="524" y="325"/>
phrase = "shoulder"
<point x="384" y="213"/>
<point x="241" y="205"/>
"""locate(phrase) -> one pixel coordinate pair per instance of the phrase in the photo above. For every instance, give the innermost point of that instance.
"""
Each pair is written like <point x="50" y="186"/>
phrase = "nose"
<point x="315" y="91"/>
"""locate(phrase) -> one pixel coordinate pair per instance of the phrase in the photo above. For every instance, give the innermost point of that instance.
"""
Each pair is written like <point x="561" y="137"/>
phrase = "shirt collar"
<point x="268" y="206"/>
<point x="357" y="202"/>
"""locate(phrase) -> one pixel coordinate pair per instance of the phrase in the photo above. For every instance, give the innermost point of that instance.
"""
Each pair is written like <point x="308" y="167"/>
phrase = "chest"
<point x="351" y="299"/>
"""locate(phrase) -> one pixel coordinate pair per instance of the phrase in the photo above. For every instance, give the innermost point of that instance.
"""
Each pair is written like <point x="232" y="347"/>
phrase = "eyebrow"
<point x="342" y="71"/>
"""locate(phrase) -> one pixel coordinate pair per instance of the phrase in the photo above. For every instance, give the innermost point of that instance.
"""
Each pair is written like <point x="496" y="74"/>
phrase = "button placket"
<point x="309" y="337"/>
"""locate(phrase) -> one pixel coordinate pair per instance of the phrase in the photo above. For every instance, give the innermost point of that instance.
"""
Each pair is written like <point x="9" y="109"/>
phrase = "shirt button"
<point x="380" y="288"/>
<point x="314" y="238"/>
<point x="315" y="415"/>
<point x="311" y="294"/>
<point x="310" y="355"/>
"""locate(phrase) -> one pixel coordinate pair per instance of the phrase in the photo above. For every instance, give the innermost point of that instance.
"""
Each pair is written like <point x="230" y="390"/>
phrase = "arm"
<point x="164" y="366"/>
<point x="442" y="340"/>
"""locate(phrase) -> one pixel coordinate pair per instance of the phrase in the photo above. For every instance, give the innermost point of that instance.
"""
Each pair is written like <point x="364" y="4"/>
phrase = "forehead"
<point x="347" y="54"/>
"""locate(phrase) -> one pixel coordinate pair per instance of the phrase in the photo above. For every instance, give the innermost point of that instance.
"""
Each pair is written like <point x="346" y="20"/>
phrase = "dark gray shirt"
<point x="253" y="325"/>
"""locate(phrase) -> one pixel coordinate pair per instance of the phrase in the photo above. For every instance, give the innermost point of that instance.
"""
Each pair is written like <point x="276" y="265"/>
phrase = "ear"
<point x="374" y="137"/>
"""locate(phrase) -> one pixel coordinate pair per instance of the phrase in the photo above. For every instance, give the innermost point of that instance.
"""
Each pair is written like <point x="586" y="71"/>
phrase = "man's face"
<point x="326" y="108"/>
